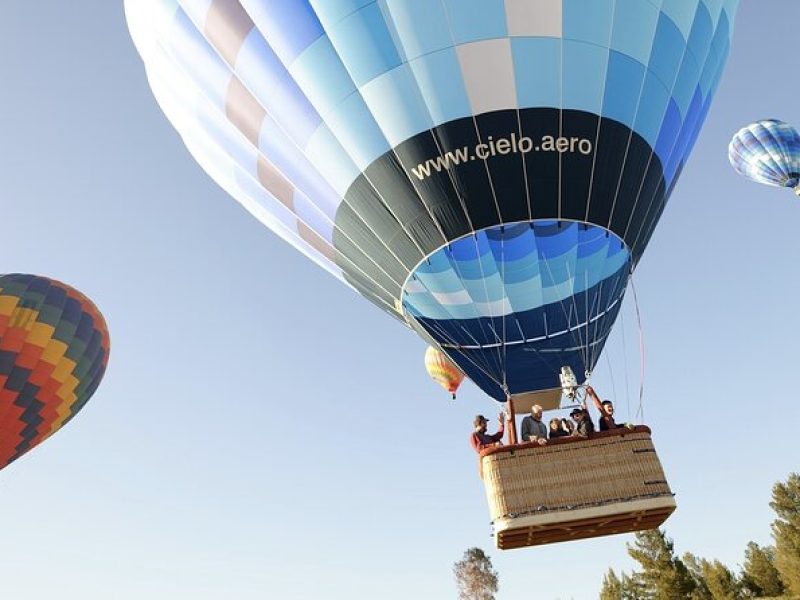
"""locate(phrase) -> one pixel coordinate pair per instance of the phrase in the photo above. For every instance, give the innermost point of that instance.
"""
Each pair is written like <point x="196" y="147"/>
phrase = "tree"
<point x="612" y="586"/>
<point x="475" y="576"/>
<point x="663" y="575"/>
<point x="786" y="531"/>
<point x="615" y="588"/>
<point x="759" y="575"/>
<point x="695" y="567"/>
<point x="721" y="582"/>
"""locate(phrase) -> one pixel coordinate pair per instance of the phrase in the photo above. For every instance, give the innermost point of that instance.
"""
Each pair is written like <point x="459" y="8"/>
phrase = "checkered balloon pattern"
<point x="54" y="348"/>
<point x="767" y="152"/>
<point x="489" y="172"/>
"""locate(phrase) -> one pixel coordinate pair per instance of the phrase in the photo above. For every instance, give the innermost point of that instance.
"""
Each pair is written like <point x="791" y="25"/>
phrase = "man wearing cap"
<point x="533" y="430"/>
<point x="480" y="439"/>
<point x="583" y="422"/>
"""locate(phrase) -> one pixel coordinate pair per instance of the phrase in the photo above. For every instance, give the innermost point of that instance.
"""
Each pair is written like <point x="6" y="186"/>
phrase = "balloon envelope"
<point x="54" y="349"/>
<point x="487" y="171"/>
<point x="442" y="370"/>
<point x="767" y="152"/>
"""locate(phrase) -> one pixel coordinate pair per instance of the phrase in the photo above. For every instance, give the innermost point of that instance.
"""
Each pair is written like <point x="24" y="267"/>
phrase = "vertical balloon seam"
<point x="338" y="251"/>
<point x="366" y="255"/>
<point x="416" y="190"/>
<point x="670" y="96"/>
<point x="686" y="56"/>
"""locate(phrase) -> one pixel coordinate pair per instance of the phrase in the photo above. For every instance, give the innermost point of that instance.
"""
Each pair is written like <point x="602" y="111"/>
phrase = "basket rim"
<point x="619" y="432"/>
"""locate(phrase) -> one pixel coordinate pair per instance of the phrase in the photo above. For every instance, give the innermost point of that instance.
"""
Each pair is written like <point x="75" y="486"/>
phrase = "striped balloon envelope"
<point x="442" y="370"/>
<point x="487" y="171"/>
<point x="54" y="349"/>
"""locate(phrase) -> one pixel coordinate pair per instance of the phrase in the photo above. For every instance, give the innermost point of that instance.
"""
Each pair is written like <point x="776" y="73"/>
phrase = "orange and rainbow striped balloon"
<point x="442" y="370"/>
<point x="54" y="348"/>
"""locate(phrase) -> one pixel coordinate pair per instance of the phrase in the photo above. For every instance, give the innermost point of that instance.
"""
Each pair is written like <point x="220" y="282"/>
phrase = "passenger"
<point x="583" y="422"/>
<point x="533" y="430"/>
<point x="606" y="410"/>
<point x="480" y="439"/>
<point x="567" y="426"/>
<point x="556" y="430"/>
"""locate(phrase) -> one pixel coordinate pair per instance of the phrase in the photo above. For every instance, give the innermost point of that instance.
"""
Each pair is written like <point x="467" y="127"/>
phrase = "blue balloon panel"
<point x="511" y="305"/>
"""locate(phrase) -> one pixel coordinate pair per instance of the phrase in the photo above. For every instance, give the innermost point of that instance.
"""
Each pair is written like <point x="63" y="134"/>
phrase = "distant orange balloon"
<point x="442" y="370"/>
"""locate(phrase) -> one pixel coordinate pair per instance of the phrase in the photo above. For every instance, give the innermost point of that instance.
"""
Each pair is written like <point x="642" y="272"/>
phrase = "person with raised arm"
<point x="606" y="410"/>
<point x="480" y="439"/>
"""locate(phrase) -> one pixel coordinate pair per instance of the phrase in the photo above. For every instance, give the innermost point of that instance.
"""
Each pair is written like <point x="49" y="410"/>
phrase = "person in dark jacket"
<point x="606" y="410"/>
<point x="556" y="430"/>
<point x="583" y="422"/>
<point x="533" y="430"/>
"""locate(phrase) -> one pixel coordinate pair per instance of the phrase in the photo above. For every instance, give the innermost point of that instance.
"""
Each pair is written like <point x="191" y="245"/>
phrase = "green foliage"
<point x="767" y="572"/>
<point x="760" y="578"/>
<point x="720" y="580"/>
<point x="475" y="576"/>
<point x="663" y="575"/>
<point x="695" y="567"/>
<point x="786" y="531"/>
<point x="612" y="587"/>
<point x="615" y="588"/>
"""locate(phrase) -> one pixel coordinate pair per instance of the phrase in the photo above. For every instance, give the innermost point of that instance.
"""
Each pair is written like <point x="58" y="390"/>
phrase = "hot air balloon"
<point x="442" y="370"/>
<point x="488" y="172"/>
<point x="54" y="349"/>
<point x="767" y="152"/>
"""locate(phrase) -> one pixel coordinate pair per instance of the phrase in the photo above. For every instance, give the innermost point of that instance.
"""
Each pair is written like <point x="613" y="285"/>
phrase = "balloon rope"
<point x="640" y="412"/>
<point x="578" y="341"/>
<point x="611" y="375"/>
<point x="588" y="357"/>
<point x="504" y="309"/>
<point x="454" y="345"/>
<point x="594" y="352"/>
<point x="625" y="366"/>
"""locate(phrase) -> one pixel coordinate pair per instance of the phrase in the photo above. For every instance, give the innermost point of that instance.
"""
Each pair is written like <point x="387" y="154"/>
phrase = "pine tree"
<point x="759" y="575"/>
<point x="612" y="587"/>
<point x="615" y="588"/>
<point x="695" y="567"/>
<point x="663" y="575"/>
<point x="721" y="582"/>
<point x="786" y="531"/>
<point x="631" y="589"/>
<point x="475" y="576"/>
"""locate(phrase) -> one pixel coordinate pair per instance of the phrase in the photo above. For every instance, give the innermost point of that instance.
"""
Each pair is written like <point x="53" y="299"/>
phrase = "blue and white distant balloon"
<point x="768" y="152"/>
<point x="486" y="171"/>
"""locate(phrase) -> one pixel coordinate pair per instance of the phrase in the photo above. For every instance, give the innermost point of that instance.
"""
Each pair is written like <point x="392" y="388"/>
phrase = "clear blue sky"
<point x="261" y="441"/>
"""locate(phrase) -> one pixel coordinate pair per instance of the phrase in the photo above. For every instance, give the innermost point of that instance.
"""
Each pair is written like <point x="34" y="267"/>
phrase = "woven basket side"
<point x="584" y="473"/>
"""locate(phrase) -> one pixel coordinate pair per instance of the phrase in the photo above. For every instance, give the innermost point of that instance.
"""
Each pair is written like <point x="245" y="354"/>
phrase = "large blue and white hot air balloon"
<point x="487" y="171"/>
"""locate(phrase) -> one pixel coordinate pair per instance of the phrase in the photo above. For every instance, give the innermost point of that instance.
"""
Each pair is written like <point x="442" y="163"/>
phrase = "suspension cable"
<point x="640" y="412"/>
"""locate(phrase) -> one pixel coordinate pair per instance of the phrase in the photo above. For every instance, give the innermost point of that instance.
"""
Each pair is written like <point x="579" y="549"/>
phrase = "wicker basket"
<point x="575" y="488"/>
